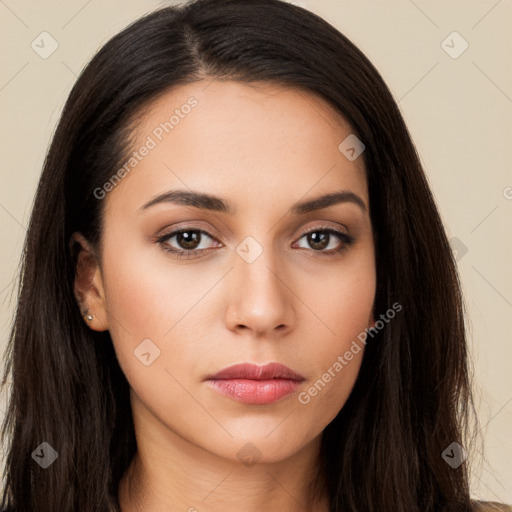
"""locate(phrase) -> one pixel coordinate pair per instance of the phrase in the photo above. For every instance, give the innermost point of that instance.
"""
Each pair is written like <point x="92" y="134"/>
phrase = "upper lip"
<point x="256" y="372"/>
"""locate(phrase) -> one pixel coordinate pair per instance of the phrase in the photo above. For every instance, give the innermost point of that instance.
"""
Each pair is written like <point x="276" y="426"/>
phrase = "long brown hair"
<point x="412" y="397"/>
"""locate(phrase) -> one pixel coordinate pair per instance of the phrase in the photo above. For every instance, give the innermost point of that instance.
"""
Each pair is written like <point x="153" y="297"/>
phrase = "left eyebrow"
<point x="214" y="203"/>
<point x="327" y="200"/>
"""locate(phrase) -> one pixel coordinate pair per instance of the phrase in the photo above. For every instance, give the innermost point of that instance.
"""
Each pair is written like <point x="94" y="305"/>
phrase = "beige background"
<point x="458" y="111"/>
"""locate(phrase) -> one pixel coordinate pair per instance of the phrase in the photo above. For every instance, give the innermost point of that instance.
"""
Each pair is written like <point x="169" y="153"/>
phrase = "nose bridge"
<point x="259" y="300"/>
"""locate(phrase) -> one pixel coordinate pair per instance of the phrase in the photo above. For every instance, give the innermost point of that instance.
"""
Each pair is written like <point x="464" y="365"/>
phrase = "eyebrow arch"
<point x="214" y="203"/>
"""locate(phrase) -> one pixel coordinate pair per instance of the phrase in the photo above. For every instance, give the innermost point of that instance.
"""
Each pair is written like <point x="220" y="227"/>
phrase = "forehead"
<point x="261" y="143"/>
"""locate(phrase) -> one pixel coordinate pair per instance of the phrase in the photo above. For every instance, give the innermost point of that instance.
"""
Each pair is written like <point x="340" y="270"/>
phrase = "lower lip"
<point x="255" y="392"/>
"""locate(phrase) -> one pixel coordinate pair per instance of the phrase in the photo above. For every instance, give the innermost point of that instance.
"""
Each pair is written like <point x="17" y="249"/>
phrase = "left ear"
<point x="88" y="285"/>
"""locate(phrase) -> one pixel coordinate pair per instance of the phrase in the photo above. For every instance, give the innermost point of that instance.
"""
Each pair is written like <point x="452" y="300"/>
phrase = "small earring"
<point x="88" y="316"/>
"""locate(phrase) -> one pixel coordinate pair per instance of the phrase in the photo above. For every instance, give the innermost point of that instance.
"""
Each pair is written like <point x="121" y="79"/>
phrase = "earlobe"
<point x="88" y="284"/>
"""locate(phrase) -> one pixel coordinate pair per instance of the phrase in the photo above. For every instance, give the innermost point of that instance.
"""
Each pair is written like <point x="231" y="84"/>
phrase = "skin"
<point x="262" y="148"/>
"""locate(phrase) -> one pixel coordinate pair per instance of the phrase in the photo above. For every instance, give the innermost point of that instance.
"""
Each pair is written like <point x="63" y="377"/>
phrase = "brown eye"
<point x="188" y="239"/>
<point x="186" y="242"/>
<point x="320" y="239"/>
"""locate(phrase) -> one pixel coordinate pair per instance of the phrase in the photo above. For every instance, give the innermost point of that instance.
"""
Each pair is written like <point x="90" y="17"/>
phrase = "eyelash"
<point x="188" y="254"/>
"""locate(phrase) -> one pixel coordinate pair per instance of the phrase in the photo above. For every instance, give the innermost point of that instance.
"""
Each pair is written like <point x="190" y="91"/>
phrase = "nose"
<point x="260" y="297"/>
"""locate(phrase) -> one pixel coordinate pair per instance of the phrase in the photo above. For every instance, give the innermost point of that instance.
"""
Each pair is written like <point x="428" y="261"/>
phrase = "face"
<point x="190" y="286"/>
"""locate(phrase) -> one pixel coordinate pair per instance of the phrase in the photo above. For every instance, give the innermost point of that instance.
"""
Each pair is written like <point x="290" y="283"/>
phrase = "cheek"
<point x="146" y="301"/>
<point x="344" y="305"/>
<point x="336" y="358"/>
<point x="147" y="294"/>
<point x="343" y="300"/>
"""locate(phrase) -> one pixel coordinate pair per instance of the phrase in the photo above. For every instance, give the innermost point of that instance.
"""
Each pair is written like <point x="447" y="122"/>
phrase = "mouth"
<point x="256" y="385"/>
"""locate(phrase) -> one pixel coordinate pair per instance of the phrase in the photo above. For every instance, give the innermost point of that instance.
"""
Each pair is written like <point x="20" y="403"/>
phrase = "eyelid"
<point x="319" y="227"/>
<point x="185" y="226"/>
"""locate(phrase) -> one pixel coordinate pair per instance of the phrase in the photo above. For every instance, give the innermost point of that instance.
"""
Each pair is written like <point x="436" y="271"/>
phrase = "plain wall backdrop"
<point x="448" y="67"/>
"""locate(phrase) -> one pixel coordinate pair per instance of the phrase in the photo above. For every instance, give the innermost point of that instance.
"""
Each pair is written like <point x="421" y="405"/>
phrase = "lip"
<point x="256" y="372"/>
<point x="254" y="384"/>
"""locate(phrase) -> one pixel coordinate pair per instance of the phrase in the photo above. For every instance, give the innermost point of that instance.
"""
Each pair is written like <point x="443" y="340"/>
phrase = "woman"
<point x="236" y="289"/>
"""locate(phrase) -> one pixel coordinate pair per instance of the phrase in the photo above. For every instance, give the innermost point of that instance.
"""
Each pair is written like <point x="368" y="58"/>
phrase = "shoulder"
<point x="490" y="506"/>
